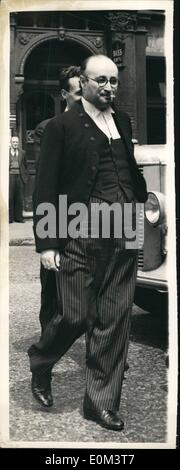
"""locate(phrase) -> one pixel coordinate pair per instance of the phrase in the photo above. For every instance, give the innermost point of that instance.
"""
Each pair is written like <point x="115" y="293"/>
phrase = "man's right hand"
<point x="51" y="259"/>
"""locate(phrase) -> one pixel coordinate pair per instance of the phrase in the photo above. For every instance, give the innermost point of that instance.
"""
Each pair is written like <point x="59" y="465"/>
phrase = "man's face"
<point x="74" y="92"/>
<point x="15" y="143"/>
<point x="100" y="96"/>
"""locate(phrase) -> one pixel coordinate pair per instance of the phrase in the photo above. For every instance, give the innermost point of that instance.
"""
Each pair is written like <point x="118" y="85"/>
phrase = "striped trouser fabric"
<point x="97" y="282"/>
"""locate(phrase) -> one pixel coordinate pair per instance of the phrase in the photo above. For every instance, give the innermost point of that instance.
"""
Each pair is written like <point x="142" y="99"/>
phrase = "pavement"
<point x="144" y="395"/>
<point x="21" y="233"/>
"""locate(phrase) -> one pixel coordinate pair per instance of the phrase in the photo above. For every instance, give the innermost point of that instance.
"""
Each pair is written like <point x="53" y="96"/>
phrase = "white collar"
<point x="95" y="112"/>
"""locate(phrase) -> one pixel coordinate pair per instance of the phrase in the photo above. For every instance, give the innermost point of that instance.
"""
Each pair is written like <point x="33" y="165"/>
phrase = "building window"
<point x="156" y="100"/>
<point x="83" y="20"/>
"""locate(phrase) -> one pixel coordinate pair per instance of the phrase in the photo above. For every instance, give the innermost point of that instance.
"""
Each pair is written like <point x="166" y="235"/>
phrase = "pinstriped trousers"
<point x="97" y="283"/>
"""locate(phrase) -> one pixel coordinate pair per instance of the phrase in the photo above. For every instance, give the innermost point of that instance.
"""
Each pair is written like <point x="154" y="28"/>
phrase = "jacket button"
<point x="81" y="114"/>
<point x="93" y="168"/>
<point x="86" y="125"/>
<point x="92" y="138"/>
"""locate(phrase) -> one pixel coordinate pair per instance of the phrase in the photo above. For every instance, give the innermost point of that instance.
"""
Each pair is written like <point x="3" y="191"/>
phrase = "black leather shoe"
<point x="41" y="388"/>
<point x="105" y="418"/>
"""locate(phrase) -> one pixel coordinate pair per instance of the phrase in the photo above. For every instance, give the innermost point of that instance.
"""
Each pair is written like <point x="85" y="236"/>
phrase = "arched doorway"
<point x="41" y="81"/>
<point x="41" y="98"/>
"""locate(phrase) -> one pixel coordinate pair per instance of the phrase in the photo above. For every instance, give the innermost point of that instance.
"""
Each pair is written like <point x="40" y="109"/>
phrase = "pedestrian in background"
<point x="70" y="93"/>
<point x="18" y="176"/>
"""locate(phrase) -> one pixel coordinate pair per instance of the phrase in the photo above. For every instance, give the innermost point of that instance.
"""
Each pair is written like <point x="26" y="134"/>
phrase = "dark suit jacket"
<point x="38" y="134"/>
<point x="23" y="170"/>
<point x="69" y="163"/>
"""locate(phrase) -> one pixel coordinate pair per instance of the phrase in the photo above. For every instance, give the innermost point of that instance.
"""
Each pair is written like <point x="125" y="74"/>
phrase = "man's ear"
<point x="63" y="94"/>
<point x="83" y="80"/>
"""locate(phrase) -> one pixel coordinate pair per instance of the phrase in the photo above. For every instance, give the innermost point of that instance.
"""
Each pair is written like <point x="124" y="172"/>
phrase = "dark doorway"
<point x="46" y="60"/>
<point x="41" y="99"/>
<point x="39" y="106"/>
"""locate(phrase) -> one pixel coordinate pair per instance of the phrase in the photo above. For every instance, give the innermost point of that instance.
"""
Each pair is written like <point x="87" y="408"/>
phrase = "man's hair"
<point x="85" y="61"/>
<point x="14" y="135"/>
<point x="84" y="64"/>
<point x="66" y="74"/>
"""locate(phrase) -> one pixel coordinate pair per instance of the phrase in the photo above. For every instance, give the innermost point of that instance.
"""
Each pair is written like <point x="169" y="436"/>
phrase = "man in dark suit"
<point x="70" y="93"/>
<point x="87" y="155"/>
<point x="18" y="175"/>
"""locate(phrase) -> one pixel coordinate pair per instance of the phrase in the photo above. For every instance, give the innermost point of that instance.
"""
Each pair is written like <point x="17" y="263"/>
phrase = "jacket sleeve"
<point x="47" y="187"/>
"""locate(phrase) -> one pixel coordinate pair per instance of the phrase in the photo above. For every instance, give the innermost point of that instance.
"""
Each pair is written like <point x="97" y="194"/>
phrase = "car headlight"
<point x="154" y="208"/>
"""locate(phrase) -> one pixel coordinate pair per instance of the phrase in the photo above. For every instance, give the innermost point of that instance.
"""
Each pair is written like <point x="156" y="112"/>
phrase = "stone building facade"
<point x="42" y="43"/>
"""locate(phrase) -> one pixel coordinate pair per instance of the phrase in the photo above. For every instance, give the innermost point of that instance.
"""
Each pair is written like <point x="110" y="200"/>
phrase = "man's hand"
<point x="51" y="259"/>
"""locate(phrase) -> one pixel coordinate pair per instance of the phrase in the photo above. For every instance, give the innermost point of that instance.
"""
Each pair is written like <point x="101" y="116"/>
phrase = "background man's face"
<point x="15" y="142"/>
<point x="74" y="93"/>
<point x="101" y="97"/>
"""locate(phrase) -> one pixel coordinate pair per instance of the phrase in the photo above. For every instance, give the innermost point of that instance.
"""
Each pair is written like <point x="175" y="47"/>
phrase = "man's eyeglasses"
<point x="102" y="81"/>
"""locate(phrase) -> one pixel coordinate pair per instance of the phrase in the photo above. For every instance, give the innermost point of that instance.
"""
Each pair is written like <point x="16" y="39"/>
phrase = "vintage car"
<point x="152" y="287"/>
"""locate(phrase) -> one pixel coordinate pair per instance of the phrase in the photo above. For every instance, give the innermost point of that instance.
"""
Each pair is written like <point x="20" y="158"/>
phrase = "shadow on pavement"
<point x="150" y="328"/>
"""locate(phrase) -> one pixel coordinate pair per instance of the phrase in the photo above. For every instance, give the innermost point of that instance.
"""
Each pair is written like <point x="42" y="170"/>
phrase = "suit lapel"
<point x="123" y="130"/>
<point x="121" y="124"/>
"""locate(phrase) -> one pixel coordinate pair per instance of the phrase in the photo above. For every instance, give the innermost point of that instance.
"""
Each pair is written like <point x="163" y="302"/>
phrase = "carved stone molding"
<point x="122" y="21"/>
<point x="61" y="34"/>
<point x="40" y="39"/>
<point x="19" y="90"/>
<point x="19" y="81"/>
<point x="98" y="41"/>
<point x="24" y="38"/>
